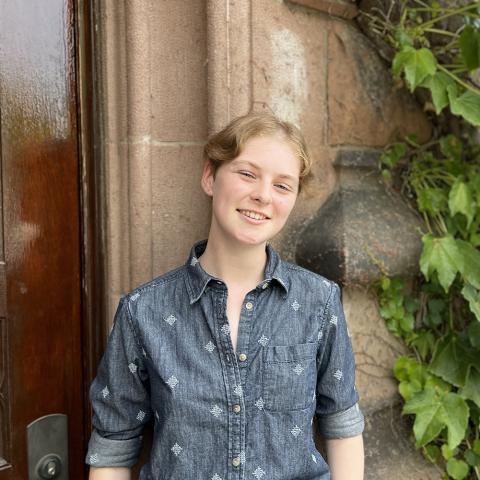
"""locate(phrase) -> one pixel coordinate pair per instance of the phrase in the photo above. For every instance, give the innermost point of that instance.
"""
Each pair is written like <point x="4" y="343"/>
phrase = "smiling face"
<point x="253" y="194"/>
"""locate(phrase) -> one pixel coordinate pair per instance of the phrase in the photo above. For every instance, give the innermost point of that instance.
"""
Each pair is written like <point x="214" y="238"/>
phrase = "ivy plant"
<point x="436" y="52"/>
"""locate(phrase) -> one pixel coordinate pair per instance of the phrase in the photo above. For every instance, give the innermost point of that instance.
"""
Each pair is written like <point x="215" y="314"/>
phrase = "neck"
<point x="239" y="266"/>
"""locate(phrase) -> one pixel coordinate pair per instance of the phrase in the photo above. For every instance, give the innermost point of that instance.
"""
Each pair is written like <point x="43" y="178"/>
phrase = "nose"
<point x="262" y="193"/>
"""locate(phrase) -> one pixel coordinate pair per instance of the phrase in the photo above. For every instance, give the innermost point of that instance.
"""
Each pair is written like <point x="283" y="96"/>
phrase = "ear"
<point x="207" y="179"/>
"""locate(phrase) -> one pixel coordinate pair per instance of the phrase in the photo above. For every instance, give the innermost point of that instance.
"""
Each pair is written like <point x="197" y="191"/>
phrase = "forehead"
<point x="272" y="152"/>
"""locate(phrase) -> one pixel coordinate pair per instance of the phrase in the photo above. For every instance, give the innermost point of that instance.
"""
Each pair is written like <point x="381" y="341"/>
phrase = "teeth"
<point x="254" y="215"/>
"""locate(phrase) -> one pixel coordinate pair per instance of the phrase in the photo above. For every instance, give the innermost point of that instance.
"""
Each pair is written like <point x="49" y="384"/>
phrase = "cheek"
<point x="285" y="205"/>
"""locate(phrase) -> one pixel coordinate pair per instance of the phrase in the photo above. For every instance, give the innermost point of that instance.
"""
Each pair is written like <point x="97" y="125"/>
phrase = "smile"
<point x="254" y="215"/>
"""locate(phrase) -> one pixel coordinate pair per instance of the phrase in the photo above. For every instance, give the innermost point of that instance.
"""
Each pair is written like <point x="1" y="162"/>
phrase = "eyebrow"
<point x="254" y="165"/>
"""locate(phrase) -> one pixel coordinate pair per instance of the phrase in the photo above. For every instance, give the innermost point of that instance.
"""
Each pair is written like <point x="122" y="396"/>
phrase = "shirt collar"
<point x="198" y="278"/>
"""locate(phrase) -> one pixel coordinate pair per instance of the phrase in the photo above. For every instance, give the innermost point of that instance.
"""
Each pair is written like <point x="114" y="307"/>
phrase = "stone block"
<point x="289" y="69"/>
<point x="364" y="105"/>
<point x="178" y="70"/>
<point x="180" y="209"/>
<point x="389" y="449"/>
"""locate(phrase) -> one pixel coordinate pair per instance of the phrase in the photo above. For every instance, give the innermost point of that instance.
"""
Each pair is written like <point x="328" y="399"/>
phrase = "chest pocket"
<point x="289" y="376"/>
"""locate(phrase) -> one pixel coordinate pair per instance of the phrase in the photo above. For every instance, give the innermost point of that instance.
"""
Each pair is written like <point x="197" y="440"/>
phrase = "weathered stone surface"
<point x="364" y="108"/>
<point x="363" y="231"/>
<point x="338" y="8"/>
<point x="389" y="451"/>
<point x="375" y="348"/>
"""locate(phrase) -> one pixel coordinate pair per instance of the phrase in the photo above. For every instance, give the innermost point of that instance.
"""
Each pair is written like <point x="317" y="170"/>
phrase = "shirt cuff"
<point x="347" y="423"/>
<point x="105" y="452"/>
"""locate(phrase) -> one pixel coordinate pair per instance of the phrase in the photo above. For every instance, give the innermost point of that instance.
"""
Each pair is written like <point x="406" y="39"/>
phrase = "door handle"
<point x="47" y="448"/>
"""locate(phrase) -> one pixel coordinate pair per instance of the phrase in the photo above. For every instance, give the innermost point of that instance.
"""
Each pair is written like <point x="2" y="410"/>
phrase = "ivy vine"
<point x="436" y="54"/>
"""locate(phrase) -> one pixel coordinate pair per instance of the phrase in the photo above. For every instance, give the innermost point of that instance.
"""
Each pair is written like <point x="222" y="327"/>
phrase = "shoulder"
<point x="300" y="277"/>
<point x="152" y="292"/>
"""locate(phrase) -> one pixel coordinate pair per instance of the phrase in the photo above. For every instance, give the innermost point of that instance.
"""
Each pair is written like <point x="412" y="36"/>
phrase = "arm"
<point x="120" y="401"/>
<point x="106" y="473"/>
<point x="345" y="458"/>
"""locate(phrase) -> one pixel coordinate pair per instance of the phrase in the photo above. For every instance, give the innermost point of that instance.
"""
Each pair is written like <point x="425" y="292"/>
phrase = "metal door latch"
<point x="47" y="445"/>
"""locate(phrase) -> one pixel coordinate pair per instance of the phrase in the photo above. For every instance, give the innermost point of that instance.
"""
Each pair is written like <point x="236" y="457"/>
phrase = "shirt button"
<point x="237" y="408"/>
<point x="249" y="305"/>
<point x="236" y="461"/>
<point x="265" y="285"/>
<point x="242" y="357"/>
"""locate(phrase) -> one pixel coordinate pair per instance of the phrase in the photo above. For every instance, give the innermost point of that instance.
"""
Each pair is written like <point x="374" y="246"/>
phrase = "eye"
<point x="283" y="186"/>
<point x="246" y="174"/>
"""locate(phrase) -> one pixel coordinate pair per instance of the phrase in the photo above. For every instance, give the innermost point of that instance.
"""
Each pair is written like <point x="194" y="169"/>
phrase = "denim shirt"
<point x="221" y="414"/>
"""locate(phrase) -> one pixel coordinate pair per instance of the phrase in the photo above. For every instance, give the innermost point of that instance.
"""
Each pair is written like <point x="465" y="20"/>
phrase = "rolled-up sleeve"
<point x="120" y="397"/>
<point x="337" y="408"/>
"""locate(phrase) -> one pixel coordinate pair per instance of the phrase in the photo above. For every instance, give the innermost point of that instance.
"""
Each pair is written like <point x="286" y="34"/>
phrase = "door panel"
<point x="40" y="258"/>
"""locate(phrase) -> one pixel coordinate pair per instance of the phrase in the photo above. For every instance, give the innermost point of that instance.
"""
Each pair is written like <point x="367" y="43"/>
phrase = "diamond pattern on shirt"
<point x="258" y="473"/>
<point x="173" y="381"/>
<point x="171" y="319"/>
<point x="93" y="458"/>
<point x="338" y="374"/>
<point x="295" y="305"/>
<point x="242" y="457"/>
<point x="140" y="415"/>
<point x="334" y="320"/>
<point x="238" y="390"/>
<point x="132" y="367"/>
<point x="105" y="392"/>
<point x="216" y="411"/>
<point x="296" y="431"/>
<point x="225" y="329"/>
<point x="176" y="449"/>
<point x="194" y="261"/>
<point x="259" y="403"/>
<point x="210" y="347"/>
<point x="263" y="340"/>
<point x="298" y="368"/>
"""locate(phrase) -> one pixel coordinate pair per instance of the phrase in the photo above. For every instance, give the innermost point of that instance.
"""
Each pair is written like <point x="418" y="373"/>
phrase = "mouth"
<point x="253" y="214"/>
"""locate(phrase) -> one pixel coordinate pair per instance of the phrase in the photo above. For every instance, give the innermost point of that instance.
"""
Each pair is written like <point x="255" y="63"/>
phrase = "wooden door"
<point x="40" y="236"/>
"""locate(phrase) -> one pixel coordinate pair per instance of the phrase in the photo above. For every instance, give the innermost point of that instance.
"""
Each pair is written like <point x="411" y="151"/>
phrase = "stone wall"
<point x="171" y="72"/>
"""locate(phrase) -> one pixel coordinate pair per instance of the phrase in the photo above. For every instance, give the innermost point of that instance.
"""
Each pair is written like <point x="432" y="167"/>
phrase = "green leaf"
<point x="473" y="332"/>
<point x="471" y="390"/>
<point x="454" y="360"/>
<point x="409" y="389"/>
<point x="472" y="458"/>
<point x="437" y="84"/>
<point x="470" y="47"/>
<point x="402" y="37"/>
<point x="440" y="255"/>
<point x="447" y="453"/>
<point x="473" y="297"/>
<point x="434" y="411"/>
<point x="432" y="200"/>
<point x="466" y="105"/>
<point x="424" y="342"/>
<point x="435" y="309"/>
<point x="457" y="469"/>
<point x="476" y="446"/>
<point x="432" y="453"/>
<point x="417" y="65"/>
<point x="393" y="154"/>
<point x="470" y="262"/>
<point x="460" y="200"/>
<point x="451" y="147"/>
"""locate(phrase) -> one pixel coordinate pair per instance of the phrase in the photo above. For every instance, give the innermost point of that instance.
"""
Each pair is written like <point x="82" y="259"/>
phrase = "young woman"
<point x="233" y="353"/>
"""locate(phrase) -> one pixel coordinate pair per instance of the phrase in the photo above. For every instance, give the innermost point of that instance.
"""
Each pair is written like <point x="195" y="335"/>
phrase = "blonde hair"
<point x="227" y="144"/>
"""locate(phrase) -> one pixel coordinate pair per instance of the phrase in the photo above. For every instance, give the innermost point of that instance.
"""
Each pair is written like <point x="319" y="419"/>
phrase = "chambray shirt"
<point x="220" y="414"/>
